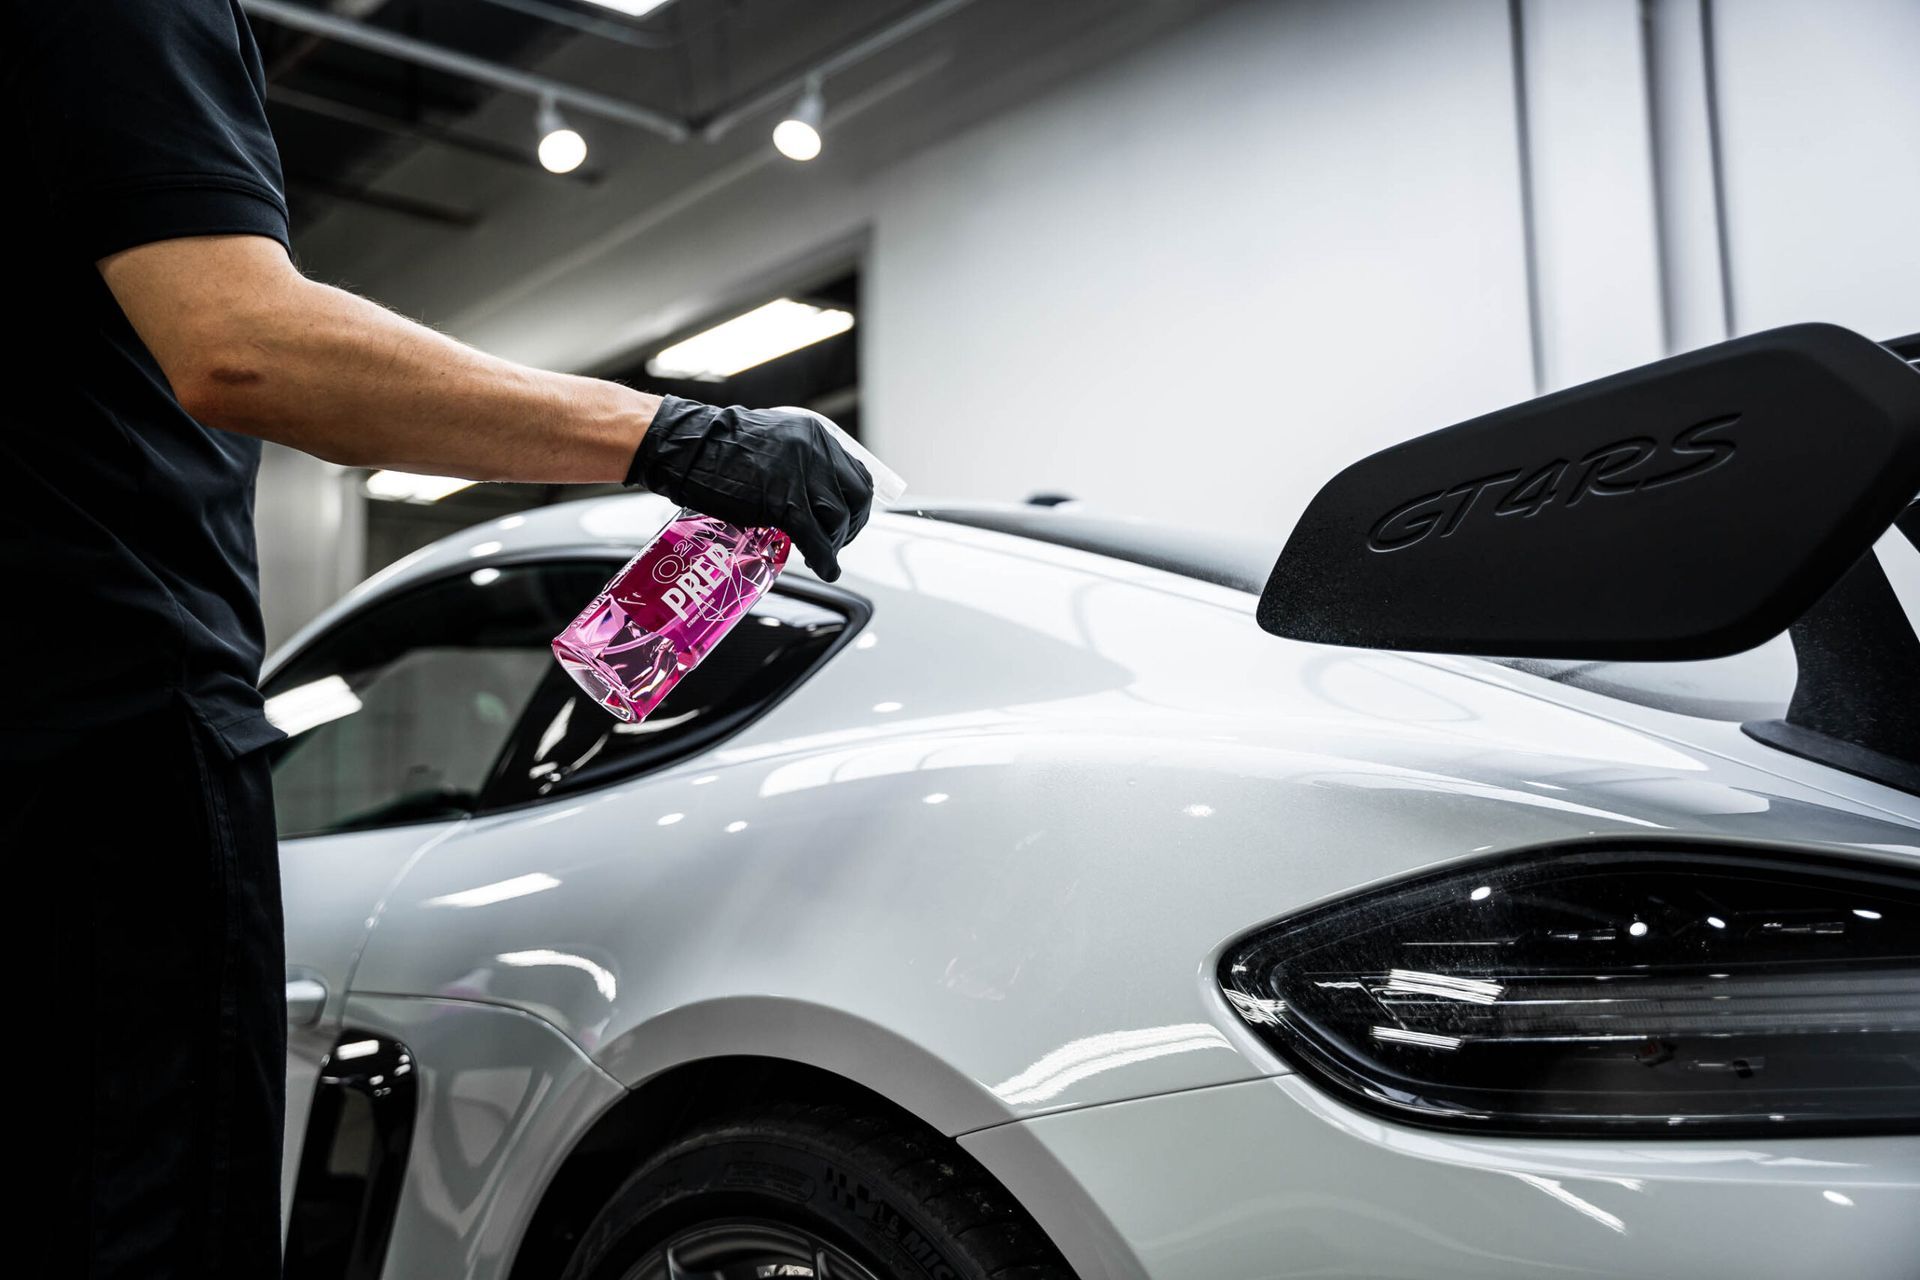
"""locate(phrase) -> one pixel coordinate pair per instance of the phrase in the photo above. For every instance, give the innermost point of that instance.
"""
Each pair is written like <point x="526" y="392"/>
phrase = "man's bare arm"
<point x="250" y="345"/>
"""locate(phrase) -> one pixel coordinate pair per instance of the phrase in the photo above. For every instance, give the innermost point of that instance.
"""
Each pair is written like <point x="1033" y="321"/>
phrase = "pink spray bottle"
<point x="679" y="598"/>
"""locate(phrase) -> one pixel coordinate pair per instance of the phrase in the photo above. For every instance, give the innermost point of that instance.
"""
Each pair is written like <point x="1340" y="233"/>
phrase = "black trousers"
<point x="150" y="1004"/>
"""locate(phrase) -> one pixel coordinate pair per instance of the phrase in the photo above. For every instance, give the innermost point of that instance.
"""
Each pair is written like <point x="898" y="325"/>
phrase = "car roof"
<point x="618" y="525"/>
<point x="615" y="526"/>
<point x="1227" y="560"/>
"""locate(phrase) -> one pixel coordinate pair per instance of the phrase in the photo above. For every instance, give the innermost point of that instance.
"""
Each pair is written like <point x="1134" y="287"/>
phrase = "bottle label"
<point x="667" y="609"/>
<point x="695" y="571"/>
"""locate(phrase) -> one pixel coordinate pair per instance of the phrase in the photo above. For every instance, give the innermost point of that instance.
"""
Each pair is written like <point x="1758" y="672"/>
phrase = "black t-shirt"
<point x="126" y="528"/>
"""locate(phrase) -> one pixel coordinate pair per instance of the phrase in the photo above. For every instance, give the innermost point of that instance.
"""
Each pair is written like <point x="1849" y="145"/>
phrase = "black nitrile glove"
<point x="749" y="467"/>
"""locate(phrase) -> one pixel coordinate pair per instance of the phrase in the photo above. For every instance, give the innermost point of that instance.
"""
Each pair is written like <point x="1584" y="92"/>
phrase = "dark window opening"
<point x="446" y="700"/>
<point x="571" y="743"/>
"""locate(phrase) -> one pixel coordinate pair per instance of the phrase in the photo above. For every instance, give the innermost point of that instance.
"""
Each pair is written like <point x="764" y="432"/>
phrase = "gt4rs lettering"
<point x="1631" y="465"/>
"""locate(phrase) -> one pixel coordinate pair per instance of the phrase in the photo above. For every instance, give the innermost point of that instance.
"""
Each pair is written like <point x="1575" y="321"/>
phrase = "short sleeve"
<point x="145" y="120"/>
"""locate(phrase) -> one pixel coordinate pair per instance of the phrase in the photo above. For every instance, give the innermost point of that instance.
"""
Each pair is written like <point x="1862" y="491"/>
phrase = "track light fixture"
<point x="562" y="149"/>
<point x="798" y="136"/>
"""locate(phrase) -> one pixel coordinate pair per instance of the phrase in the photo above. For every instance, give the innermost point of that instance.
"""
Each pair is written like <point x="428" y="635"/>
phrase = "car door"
<point x="397" y="719"/>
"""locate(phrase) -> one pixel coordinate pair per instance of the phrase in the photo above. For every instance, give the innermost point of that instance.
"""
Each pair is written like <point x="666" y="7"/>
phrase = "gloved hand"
<point x="775" y="467"/>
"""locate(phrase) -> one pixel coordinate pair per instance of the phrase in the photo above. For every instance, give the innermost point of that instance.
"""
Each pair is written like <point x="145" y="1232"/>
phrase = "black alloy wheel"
<point x="746" y="1251"/>
<point x="830" y="1191"/>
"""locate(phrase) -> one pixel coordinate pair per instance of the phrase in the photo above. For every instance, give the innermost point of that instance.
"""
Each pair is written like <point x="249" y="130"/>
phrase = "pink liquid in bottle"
<point x="667" y="609"/>
<point x="680" y="596"/>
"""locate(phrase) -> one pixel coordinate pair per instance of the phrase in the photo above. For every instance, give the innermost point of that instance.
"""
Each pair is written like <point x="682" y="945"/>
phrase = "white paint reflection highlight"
<point x="935" y="797"/>
<point x="734" y="828"/>
<point x="885" y="707"/>
<point x="1078" y="1060"/>
<point x="1837" y="1197"/>
<point x="498" y="891"/>
<point x="558" y="815"/>
<point x="668" y="819"/>
<point x="868" y="753"/>
<point x="541" y="957"/>
<point x="1554" y="1188"/>
<point x="1198" y="811"/>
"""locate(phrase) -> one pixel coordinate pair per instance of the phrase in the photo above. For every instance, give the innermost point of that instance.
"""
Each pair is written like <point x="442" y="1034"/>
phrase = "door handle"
<point x="306" y="999"/>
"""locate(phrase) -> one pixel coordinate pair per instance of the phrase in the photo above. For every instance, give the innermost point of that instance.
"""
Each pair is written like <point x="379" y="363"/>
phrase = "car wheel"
<point x="830" y="1191"/>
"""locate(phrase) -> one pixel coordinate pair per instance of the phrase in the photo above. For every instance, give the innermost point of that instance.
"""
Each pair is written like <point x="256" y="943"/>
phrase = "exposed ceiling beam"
<point x="441" y="58"/>
<point x="784" y="91"/>
<point x="606" y="29"/>
<point x="425" y="53"/>
<point x="418" y="130"/>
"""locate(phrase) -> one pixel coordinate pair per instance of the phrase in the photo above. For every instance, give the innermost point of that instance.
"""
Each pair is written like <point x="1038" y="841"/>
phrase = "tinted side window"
<point x="402" y="712"/>
<point x="568" y="742"/>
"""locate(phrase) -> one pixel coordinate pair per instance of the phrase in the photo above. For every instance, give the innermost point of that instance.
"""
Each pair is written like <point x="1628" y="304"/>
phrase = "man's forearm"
<point x="251" y="346"/>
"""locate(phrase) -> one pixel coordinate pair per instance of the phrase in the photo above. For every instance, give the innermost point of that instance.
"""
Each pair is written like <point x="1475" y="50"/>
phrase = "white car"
<point x="1018" y="907"/>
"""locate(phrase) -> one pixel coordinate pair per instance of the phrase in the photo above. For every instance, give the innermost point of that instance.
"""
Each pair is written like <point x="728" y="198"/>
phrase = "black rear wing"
<point x="1691" y="508"/>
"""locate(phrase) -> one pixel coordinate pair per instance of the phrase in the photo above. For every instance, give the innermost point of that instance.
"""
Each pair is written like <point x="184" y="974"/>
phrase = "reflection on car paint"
<point x="1088" y="1056"/>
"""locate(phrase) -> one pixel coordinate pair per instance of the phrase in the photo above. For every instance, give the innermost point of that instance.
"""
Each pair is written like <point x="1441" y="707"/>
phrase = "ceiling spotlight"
<point x="798" y="136"/>
<point x="562" y="149"/>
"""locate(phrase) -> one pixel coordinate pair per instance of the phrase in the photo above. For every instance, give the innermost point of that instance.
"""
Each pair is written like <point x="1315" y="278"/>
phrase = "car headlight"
<point x="1606" y="990"/>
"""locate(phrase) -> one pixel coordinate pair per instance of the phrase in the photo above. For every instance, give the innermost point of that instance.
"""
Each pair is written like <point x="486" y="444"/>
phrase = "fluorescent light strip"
<point x="405" y="486"/>
<point x="632" y="8"/>
<point x="763" y="334"/>
<point x="309" y="706"/>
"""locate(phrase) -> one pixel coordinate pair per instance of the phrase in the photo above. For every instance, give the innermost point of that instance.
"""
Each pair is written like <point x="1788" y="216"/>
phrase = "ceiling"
<point x="420" y="187"/>
<point x="345" y="114"/>
<point x="398" y="157"/>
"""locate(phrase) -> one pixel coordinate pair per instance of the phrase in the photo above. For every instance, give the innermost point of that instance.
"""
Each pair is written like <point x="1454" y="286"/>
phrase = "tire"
<point x="833" y="1190"/>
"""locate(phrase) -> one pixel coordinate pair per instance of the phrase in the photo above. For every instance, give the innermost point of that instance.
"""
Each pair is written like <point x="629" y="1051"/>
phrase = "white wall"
<point x="310" y="524"/>
<point x="1596" y="234"/>
<point x="1304" y="218"/>
<point x="1198" y="281"/>
<point x="1820" y="129"/>
<point x="1196" y="278"/>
